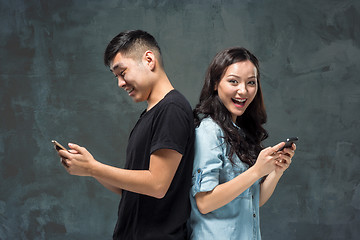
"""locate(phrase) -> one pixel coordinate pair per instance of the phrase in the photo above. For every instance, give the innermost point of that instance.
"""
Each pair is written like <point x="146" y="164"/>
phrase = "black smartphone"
<point x="289" y="142"/>
<point x="58" y="146"/>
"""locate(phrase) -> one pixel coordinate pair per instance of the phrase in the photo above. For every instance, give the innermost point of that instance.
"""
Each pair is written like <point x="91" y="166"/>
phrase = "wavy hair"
<point x="247" y="142"/>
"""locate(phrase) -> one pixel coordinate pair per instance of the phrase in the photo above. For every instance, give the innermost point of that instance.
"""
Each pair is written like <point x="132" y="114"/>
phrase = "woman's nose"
<point x="242" y="89"/>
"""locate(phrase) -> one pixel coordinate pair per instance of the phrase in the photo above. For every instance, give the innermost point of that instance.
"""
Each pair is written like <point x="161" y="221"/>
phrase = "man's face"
<point x="132" y="76"/>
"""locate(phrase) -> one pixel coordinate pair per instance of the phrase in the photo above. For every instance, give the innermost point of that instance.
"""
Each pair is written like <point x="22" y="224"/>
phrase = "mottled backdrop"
<point x="53" y="85"/>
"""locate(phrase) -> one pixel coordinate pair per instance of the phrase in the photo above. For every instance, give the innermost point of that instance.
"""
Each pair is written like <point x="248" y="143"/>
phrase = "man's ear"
<point x="149" y="59"/>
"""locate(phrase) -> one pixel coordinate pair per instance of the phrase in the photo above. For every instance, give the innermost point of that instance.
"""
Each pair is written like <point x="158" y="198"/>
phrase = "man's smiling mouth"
<point x="129" y="90"/>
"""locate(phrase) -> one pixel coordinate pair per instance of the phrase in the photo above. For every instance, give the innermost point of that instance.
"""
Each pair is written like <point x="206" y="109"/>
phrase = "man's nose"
<point x="121" y="82"/>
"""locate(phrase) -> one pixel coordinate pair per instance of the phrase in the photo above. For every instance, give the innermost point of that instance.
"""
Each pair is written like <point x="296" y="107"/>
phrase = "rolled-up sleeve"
<point x="208" y="159"/>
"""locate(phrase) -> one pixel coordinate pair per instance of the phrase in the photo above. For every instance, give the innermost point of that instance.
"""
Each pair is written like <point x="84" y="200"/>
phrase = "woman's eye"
<point x="252" y="82"/>
<point x="233" y="81"/>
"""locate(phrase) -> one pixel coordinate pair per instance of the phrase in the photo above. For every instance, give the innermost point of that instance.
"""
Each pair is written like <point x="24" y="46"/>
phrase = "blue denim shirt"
<point x="238" y="219"/>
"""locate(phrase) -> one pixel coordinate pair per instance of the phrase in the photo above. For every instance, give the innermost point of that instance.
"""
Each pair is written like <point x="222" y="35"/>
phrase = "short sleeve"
<point x="208" y="161"/>
<point x="172" y="129"/>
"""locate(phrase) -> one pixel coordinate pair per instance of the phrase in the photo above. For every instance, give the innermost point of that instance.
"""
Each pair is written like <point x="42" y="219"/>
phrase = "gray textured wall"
<point x="53" y="85"/>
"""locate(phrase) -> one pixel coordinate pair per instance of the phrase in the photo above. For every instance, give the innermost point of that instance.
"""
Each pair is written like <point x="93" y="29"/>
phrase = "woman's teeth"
<point x="239" y="101"/>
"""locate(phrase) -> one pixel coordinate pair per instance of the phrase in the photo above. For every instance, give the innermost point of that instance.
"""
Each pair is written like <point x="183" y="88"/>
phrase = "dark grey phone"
<point x="289" y="142"/>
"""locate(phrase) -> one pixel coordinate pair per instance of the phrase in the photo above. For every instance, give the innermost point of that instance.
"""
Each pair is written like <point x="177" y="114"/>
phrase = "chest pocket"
<point x="239" y="168"/>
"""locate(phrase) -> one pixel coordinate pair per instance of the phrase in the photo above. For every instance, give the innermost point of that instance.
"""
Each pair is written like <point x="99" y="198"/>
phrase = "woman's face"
<point x="237" y="87"/>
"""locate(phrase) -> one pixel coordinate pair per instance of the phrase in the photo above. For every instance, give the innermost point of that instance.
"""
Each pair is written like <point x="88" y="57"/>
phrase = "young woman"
<point x="233" y="174"/>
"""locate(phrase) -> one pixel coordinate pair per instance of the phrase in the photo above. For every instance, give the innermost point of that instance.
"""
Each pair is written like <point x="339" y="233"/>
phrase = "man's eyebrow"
<point x="114" y="67"/>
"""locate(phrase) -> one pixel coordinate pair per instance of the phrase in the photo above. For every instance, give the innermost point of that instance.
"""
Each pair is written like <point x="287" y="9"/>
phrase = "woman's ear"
<point x="150" y="59"/>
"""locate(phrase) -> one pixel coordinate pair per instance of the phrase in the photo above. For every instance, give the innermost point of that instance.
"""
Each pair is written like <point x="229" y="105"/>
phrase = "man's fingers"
<point x="76" y="147"/>
<point x="63" y="162"/>
<point x="64" y="154"/>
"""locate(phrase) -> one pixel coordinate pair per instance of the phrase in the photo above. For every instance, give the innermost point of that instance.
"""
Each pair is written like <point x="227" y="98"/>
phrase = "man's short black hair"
<point x="132" y="43"/>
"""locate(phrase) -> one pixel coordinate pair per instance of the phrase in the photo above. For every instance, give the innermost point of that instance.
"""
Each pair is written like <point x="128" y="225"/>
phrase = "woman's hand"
<point x="267" y="159"/>
<point x="284" y="160"/>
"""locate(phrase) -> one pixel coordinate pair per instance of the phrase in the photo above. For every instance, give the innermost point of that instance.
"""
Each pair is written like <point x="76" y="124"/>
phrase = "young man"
<point x="156" y="180"/>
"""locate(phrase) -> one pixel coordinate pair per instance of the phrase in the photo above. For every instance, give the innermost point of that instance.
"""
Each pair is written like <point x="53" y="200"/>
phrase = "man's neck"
<point x="159" y="91"/>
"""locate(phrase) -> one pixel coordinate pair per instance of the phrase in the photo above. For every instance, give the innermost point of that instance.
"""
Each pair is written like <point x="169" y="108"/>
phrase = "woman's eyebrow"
<point x="236" y="76"/>
<point x="233" y="75"/>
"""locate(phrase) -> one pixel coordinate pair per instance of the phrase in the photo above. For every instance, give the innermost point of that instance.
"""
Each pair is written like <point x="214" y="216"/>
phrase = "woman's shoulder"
<point x="209" y="126"/>
<point x="208" y="122"/>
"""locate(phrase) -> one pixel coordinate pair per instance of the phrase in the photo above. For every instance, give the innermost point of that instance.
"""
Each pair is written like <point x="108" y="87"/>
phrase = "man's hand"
<point x="77" y="161"/>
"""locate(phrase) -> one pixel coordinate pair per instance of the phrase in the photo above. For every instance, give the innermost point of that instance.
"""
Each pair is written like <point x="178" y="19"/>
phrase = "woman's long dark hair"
<point x="248" y="145"/>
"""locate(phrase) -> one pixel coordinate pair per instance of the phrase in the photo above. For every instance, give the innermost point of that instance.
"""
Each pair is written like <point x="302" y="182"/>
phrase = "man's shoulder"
<point x="176" y="99"/>
<point x="176" y="96"/>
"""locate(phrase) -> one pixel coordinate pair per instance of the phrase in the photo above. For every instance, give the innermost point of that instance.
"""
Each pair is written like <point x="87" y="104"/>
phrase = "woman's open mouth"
<point x="239" y="102"/>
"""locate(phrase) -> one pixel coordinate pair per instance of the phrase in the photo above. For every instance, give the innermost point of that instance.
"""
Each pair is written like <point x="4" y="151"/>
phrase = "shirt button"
<point x="254" y="215"/>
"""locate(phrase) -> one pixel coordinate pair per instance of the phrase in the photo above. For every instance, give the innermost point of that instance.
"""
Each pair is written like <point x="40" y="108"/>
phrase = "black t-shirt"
<point x="168" y="125"/>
